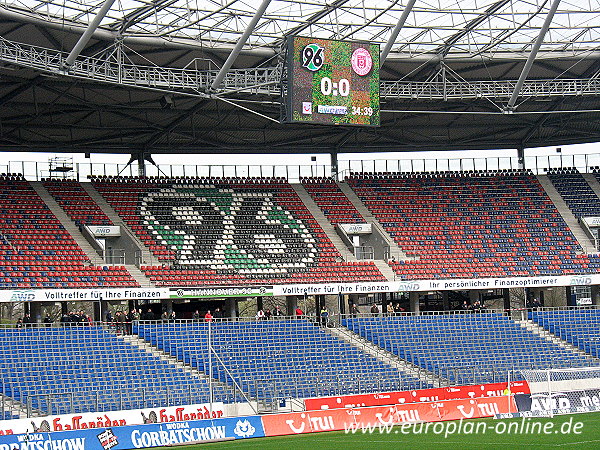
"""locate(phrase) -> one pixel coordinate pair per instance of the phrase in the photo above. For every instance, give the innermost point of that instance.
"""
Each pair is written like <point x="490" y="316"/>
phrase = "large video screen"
<point x="332" y="82"/>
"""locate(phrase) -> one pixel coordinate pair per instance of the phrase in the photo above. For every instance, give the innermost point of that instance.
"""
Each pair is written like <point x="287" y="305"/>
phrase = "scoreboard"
<point x="332" y="82"/>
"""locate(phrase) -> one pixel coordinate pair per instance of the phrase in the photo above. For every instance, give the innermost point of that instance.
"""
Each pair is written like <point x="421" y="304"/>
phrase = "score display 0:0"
<point x="329" y="87"/>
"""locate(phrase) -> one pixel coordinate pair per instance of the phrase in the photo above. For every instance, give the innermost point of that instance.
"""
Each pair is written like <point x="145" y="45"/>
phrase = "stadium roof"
<point x="449" y="82"/>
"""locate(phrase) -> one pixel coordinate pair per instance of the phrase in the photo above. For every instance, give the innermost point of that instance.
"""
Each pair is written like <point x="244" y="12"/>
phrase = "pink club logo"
<point x="361" y="61"/>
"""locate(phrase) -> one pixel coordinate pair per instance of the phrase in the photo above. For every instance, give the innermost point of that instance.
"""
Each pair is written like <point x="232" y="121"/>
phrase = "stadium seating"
<point x="576" y="192"/>
<point x="579" y="327"/>
<point x="466" y="348"/>
<point x="279" y="358"/>
<point x="473" y="224"/>
<point x="78" y="369"/>
<point x="76" y="202"/>
<point x="228" y="232"/>
<point x="332" y="201"/>
<point x="37" y="252"/>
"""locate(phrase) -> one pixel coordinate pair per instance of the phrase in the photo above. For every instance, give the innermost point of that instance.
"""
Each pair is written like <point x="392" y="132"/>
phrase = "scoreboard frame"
<point x="332" y="82"/>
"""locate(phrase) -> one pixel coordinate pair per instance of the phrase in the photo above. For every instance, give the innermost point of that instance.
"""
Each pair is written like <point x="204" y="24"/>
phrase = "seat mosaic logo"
<point x="24" y="295"/>
<point x="235" y="231"/>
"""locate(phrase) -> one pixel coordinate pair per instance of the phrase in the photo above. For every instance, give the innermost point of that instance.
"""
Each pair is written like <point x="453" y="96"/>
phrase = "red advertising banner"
<point x="356" y="418"/>
<point x="416" y="396"/>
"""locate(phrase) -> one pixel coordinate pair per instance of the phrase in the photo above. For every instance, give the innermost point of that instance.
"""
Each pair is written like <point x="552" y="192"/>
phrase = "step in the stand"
<point x="387" y="357"/>
<point x="546" y="334"/>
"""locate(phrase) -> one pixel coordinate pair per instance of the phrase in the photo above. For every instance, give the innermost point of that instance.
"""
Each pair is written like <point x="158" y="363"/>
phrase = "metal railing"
<point x="538" y="165"/>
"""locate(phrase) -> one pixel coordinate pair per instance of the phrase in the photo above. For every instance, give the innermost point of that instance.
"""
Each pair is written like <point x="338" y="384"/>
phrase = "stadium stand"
<point x="76" y="202"/>
<point x="37" y="252"/>
<point x="579" y="327"/>
<point x="576" y="192"/>
<point x="228" y="231"/>
<point x="466" y="348"/>
<point x="332" y="201"/>
<point x="472" y="224"/>
<point x="69" y="369"/>
<point x="280" y="358"/>
<point x="77" y="369"/>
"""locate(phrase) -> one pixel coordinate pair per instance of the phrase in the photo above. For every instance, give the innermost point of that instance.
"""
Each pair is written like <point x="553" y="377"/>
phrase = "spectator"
<point x="27" y="321"/>
<point x="268" y="314"/>
<point x="164" y="316"/>
<point x="277" y="312"/>
<point x="398" y="310"/>
<point x="172" y="316"/>
<point x="19" y="323"/>
<point x="148" y="315"/>
<point x="129" y="322"/>
<point x="109" y="317"/>
<point x="374" y="310"/>
<point x="218" y="313"/>
<point x="534" y="303"/>
<point x="354" y="311"/>
<point x="260" y="315"/>
<point x="65" y="319"/>
<point x="136" y="315"/>
<point x="208" y="317"/>
<point x="324" y="316"/>
<point x="120" y="318"/>
<point x="196" y="315"/>
<point x="299" y="312"/>
<point x="390" y="309"/>
<point x="48" y="320"/>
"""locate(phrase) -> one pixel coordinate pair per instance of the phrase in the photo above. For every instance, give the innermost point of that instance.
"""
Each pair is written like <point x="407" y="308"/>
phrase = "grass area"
<point x="472" y="435"/>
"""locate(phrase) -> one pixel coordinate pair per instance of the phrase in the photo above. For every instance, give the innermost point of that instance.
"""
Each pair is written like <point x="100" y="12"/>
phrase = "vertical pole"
<point x="210" y="370"/>
<point x="549" y="393"/>
<point x="509" y="391"/>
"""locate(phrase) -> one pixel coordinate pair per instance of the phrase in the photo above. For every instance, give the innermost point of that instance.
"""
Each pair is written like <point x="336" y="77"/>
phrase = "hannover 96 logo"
<point x="224" y="229"/>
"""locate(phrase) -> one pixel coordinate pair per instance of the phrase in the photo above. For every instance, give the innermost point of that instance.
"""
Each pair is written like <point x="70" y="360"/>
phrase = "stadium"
<point x="147" y="304"/>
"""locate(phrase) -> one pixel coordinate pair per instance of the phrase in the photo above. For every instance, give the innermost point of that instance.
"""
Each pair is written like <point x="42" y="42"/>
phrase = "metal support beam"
<point x="87" y="34"/>
<point x="140" y="14"/>
<point x="470" y="27"/>
<point x="239" y="45"/>
<point x="396" y="31"/>
<point x="329" y="8"/>
<point x="532" y="55"/>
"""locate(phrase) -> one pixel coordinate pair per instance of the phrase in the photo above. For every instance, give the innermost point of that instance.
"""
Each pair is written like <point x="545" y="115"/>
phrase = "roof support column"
<point x="532" y="55"/>
<point x="396" y="31"/>
<point x="87" y="34"/>
<point x="239" y="45"/>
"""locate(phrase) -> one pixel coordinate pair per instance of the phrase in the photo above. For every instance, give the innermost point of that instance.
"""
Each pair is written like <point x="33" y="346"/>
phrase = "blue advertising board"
<point x="138" y="436"/>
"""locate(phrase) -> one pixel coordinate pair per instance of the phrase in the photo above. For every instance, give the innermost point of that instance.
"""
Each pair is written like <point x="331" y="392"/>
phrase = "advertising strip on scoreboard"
<point x="66" y="422"/>
<point x="138" y="436"/>
<point x="415" y="396"/>
<point x="363" y="418"/>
